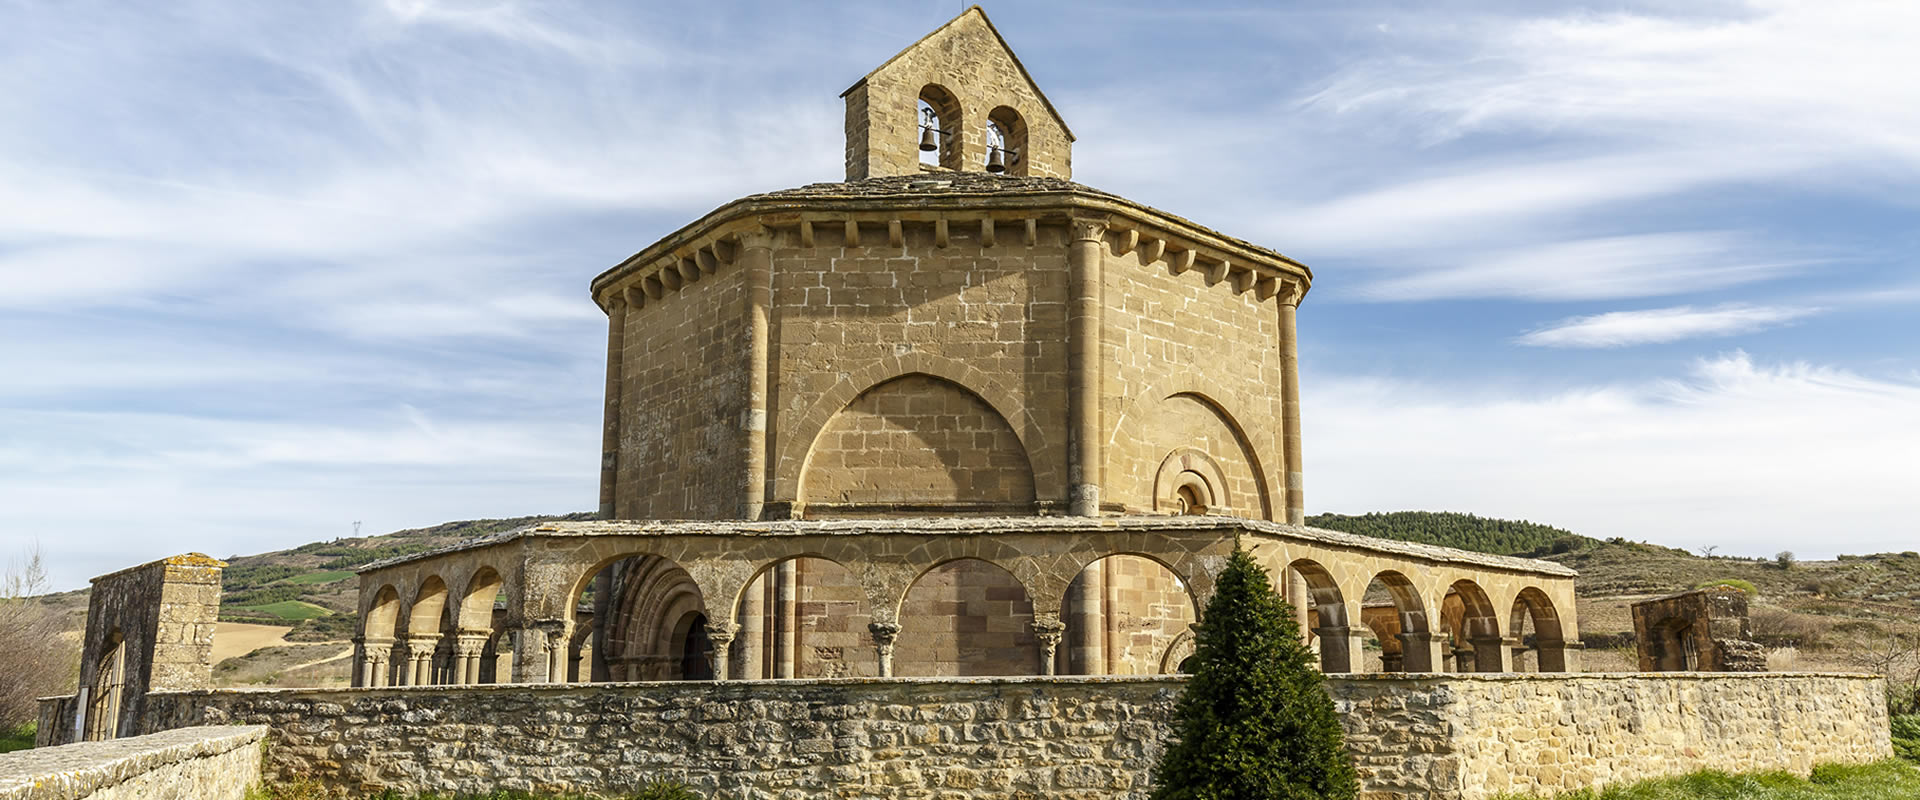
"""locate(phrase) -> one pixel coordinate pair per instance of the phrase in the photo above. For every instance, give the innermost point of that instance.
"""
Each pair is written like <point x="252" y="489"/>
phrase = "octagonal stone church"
<point x="954" y="415"/>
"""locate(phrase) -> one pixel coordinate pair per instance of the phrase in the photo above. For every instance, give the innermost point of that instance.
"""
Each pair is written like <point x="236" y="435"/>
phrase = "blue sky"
<point x="1640" y="270"/>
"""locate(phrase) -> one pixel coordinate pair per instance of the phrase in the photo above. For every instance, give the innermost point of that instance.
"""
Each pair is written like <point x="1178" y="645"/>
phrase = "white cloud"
<point x="1625" y="328"/>
<point x="1639" y="265"/>
<point x="1752" y="457"/>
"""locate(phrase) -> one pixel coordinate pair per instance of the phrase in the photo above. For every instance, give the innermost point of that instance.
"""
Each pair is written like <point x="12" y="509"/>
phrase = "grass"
<point x="20" y="738"/>
<point x="294" y="610"/>
<point x="1892" y="779"/>
<point x="318" y="578"/>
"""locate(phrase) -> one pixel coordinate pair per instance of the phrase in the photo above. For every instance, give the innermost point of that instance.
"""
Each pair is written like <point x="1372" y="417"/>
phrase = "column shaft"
<point x="756" y="256"/>
<point x="610" y="434"/>
<point x="1290" y="408"/>
<point x="1086" y="630"/>
<point x="786" y="595"/>
<point x="1085" y="254"/>
<point x="751" y="664"/>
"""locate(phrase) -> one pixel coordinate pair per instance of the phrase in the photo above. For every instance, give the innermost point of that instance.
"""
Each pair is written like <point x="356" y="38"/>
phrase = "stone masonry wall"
<point x="1441" y="737"/>
<point x="202" y="763"/>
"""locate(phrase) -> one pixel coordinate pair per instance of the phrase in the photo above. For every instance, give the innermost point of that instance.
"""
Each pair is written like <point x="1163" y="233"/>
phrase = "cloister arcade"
<point x="642" y="601"/>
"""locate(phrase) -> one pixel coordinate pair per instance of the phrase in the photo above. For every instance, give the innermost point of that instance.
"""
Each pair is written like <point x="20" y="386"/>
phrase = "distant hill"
<point x="1464" y="531"/>
<point x="311" y="586"/>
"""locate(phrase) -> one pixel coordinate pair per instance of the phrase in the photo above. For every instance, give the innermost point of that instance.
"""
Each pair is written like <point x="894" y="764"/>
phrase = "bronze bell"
<point x="996" y="160"/>
<point x="927" y="143"/>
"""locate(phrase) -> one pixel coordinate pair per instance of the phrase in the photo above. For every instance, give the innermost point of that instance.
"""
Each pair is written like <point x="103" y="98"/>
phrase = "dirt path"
<point x="239" y="638"/>
<point x="317" y="662"/>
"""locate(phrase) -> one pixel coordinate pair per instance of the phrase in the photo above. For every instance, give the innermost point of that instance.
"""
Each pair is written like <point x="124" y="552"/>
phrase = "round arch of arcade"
<point x="700" y="603"/>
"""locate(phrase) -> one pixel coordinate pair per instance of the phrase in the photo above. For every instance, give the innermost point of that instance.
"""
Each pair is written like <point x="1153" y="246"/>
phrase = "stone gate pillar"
<point x="149" y="628"/>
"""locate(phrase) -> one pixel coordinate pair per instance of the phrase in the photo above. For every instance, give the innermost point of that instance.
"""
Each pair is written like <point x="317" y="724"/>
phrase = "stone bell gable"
<point x="968" y="75"/>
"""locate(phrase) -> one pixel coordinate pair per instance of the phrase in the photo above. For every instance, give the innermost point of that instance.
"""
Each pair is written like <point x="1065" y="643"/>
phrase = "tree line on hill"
<point x="1504" y="537"/>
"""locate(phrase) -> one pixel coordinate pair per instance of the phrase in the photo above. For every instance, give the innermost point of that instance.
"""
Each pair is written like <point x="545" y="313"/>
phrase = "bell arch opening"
<point x="942" y="128"/>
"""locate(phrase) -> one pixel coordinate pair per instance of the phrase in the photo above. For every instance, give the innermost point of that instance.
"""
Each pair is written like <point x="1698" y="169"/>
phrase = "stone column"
<point x="756" y="260"/>
<point x="467" y="647"/>
<point x="596" y="669"/>
<point x="529" y="654"/>
<point x="610" y="433"/>
<point x="1047" y="631"/>
<point x="753" y="630"/>
<point x="1087" y="645"/>
<point x="1420" y="652"/>
<point x="1086" y="253"/>
<point x="557" y="643"/>
<point x="419" y="666"/>
<point x="1339" y="647"/>
<point x="1492" y="654"/>
<point x="721" y="635"/>
<point x="370" y="660"/>
<point x="883" y="635"/>
<point x="785" y="600"/>
<point x="1290" y="298"/>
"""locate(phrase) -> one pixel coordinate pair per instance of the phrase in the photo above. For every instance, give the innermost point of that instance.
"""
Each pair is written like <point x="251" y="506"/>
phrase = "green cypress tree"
<point x="1255" y="721"/>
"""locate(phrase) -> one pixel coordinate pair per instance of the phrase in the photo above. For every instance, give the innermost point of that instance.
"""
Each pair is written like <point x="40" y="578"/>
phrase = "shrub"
<point x="36" y="659"/>
<point x="1732" y="583"/>
<point x="1906" y="736"/>
<point x="1784" y="559"/>
<point x="1255" y="719"/>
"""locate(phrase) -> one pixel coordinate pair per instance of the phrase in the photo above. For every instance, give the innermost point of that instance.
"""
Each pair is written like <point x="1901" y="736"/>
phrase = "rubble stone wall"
<point x="1440" y="737"/>
<point x="203" y="763"/>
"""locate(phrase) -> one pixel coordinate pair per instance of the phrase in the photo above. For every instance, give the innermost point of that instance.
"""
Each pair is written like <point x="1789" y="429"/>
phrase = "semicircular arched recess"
<point x="650" y="605"/>
<point x="1155" y="435"/>
<point x="917" y="443"/>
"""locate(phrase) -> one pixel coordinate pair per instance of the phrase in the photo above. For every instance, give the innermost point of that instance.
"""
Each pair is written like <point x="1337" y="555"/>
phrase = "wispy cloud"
<point x="1641" y="265"/>
<point x="1748" y="455"/>
<point x="1651" y="326"/>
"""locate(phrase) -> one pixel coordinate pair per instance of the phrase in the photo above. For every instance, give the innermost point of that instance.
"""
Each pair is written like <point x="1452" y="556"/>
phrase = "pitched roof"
<point x="1003" y="45"/>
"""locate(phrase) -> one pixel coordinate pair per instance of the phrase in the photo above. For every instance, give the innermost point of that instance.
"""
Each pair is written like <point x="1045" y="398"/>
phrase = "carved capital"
<point x="721" y="633"/>
<point x="884" y="632"/>
<point x="1085" y="230"/>
<point x="1292" y="292"/>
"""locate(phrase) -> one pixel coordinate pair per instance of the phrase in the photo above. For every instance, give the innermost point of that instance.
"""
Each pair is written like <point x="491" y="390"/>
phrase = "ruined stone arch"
<point x="797" y="438"/>
<point x="917" y="442"/>
<point x="1473" y="626"/>
<point x="1531" y="605"/>
<point x="477" y="598"/>
<point x="109" y="686"/>
<point x="1405" y="629"/>
<point x="428" y="609"/>
<point x="1326" y="616"/>
<point x="381" y="619"/>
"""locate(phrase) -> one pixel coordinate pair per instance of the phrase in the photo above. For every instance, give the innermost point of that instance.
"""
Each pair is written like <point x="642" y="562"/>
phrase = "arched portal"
<point x="638" y="618"/>
<point x="1473" y="628"/>
<point x="1535" y="626"/>
<point x="803" y="617"/>
<point x="1324" y="613"/>
<point x="966" y="618"/>
<point x="1125" y="615"/>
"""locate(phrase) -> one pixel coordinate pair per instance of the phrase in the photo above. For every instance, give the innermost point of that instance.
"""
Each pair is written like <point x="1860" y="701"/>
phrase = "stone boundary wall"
<point x="202" y="763"/>
<point x="1449" y="737"/>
